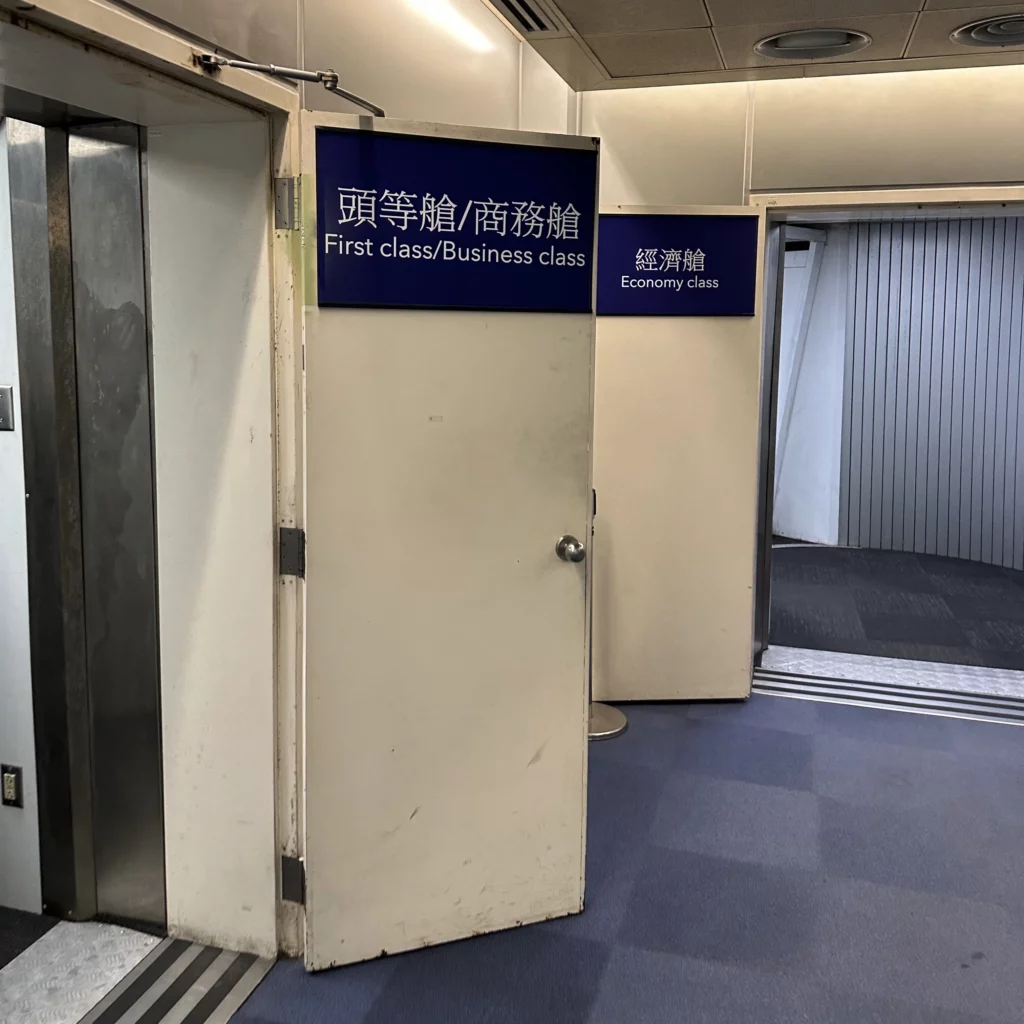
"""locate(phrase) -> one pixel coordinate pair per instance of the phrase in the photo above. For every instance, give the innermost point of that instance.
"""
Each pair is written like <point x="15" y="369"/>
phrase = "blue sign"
<point x="676" y="265"/>
<point x="415" y="222"/>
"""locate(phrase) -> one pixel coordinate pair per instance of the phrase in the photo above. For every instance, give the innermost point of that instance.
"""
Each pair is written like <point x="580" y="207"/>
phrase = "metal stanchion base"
<point x="606" y="722"/>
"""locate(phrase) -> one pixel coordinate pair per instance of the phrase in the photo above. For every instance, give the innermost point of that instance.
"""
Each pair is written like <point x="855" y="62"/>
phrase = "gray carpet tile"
<point x="658" y="988"/>
<point x="889" y="942"/>
<point x="753" y="915"/>
<point x="777" y="861"/>
<point x="768" y="756"/>
<point x="482" y="980"/>
<point x="916" y="849"/>
<point x="942" y="631"/>
<point x="897" y="604"/>
<point x="880" y="726"/>
<point x="741" y="821"/>
<point x="799" y="716"/>
<point x="837" y="1007"/>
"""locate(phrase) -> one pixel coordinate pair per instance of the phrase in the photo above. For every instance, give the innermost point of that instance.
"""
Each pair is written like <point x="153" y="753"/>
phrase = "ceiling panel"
<point x="656" y="53"/>
<point x="571" y="61"/>
<point x="970" y="6"/>
<point x="602" y="17"/>
<point x="889" y="37"/>
<point x="760" y="12"/>
<point x="931" y="36"/>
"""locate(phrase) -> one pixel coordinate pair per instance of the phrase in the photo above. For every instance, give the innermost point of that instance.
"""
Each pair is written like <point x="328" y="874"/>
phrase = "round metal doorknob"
<point x="569" y="549"/>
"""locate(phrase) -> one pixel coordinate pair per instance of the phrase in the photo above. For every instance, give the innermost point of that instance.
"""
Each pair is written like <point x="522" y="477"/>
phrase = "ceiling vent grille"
<point x="529" y="17"/>
<point x="812" y="44"/>
<point x="1007" y="30"/>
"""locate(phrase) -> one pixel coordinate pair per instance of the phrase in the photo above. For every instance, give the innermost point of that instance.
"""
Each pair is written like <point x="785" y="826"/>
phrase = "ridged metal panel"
<point x="932" y="420"/>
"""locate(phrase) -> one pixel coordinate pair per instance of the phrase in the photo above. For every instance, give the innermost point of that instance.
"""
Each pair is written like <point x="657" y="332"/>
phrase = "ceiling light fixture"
<point x="1004" y="30"/>
<point x="445" y="16"/>
<point x="812" y="44"/>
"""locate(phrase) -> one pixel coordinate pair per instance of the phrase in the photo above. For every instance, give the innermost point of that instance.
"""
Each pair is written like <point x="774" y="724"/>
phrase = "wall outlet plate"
<point x="13" y="794"/>
<point x="6" y="407"/>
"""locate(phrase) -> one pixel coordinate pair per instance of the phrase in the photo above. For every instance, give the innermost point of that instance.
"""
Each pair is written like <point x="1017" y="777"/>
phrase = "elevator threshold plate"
<point x="68" y="970"/>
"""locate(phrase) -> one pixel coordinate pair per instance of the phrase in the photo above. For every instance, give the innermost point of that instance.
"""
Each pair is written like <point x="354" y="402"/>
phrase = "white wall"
<point x="715" y="143"/>
<point x="809" y="453"/>
<point x="19" y="827"/>
<point x="544" y="98"/>
<point x="414" y="68"/>
<point x="670" y="146"/>
<point x="912" y="128"/>
<point x="213" y="411"/>
<point x="391" y="53"/>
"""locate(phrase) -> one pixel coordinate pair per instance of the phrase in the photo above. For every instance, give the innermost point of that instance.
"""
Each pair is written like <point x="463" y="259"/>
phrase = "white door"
<point x="446" y="703"/>
<point x="676" y="446"/>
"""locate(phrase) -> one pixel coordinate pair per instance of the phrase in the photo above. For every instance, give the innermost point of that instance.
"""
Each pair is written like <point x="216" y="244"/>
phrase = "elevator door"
<point x="118" y="525"/>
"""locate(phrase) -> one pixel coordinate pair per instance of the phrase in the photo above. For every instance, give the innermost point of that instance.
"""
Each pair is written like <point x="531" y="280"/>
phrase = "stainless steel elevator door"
<point x="118" y="527"/>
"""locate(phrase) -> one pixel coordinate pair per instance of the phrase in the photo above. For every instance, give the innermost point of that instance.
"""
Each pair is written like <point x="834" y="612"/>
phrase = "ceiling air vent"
<point x="812" y="44"/>
<point x="529" y="17"/>
<point x="1007" y="30"/>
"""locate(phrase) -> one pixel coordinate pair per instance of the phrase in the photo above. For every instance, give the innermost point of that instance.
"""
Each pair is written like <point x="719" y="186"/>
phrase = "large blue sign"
<point x="676" y="265"/>
<point x="427" y="223"/>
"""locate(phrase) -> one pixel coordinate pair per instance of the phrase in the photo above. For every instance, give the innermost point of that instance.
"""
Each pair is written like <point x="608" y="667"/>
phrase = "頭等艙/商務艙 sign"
<point x="415" y="222"/>
<point x="676" y="265"/>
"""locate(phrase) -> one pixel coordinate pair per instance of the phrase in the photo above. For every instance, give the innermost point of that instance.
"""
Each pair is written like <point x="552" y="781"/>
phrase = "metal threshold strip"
<point x="182" y="982"/>
<point x="953" y="704"/>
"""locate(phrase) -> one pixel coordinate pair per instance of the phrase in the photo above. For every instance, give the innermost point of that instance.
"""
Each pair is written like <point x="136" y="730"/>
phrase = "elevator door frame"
<point x="816" y="208"/>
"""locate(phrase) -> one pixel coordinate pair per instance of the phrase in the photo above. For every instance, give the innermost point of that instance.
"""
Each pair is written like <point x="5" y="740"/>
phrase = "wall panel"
<point x="932" y="461"/>
<point x="840" y="132"/>
<point x="213" y="423"/>
<point x="672" y="146"/>
<point x="261" y="30"/>
<point x="413" y="67"/>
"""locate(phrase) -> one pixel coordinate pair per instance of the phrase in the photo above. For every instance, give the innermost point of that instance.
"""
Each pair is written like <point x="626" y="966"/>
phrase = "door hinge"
<point x="291" y="557"/>
<point x="286" y="203"/>
<point x="293" y="880"/>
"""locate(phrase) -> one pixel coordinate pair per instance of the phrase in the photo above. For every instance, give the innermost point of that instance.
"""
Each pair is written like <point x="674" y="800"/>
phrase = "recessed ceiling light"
<point x="812" y="44"/>
<point x="1007" y="30"/>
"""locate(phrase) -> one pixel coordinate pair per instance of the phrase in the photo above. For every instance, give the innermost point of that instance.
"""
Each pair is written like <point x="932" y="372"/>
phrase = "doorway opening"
<point x="893" y="469"/>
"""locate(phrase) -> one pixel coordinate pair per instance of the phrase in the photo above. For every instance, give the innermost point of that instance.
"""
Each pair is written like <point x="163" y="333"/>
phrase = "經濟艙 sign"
<point x="676" y="265"/>
<point x="415" y="222"/>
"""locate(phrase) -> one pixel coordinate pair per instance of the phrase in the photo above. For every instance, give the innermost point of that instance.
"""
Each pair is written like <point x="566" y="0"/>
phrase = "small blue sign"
<point x="676" y="265"/>
<point x="416" y="222"/>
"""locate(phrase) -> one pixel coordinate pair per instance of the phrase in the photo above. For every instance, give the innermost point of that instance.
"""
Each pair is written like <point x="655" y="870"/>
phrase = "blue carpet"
<point x="772" y="862"/>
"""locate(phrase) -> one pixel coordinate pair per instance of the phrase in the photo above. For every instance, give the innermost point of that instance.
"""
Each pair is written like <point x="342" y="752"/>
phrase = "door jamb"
<point x="848" y="204"/>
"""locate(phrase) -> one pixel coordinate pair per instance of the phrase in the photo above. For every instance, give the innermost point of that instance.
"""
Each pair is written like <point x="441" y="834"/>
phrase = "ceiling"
<point x="596" y="44"/>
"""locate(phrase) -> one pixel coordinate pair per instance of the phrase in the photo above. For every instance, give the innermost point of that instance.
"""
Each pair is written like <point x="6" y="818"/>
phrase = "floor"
<point x="67" y="971"/>
<point x="18" y="931"/>
<point x="91" y="973"/>
<point x="772" y="862"/>
<point x="931" y="675"/>
<point x="896" y="605"/>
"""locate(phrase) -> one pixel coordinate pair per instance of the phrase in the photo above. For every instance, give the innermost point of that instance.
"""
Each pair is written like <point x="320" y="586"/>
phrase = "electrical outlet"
<point x="12" y="792"/>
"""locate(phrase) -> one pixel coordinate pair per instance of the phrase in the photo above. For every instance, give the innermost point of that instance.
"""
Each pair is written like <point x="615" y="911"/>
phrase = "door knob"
<point x="569" y="549"/>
